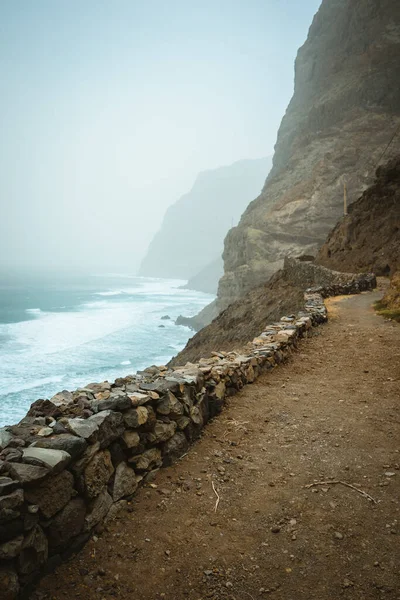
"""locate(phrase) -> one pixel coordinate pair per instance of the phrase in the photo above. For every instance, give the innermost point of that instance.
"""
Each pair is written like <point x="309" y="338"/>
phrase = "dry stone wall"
<point x="75" y="459"/>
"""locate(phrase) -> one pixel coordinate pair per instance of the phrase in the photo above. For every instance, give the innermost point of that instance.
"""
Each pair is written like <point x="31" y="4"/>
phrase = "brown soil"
<point x="330" y="413"/>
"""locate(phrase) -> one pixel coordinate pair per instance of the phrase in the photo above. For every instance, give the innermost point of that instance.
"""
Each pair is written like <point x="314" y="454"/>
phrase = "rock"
<point x="161" y="432"/>
<point x="150" y="459"/>
<point x="68" y="523"/>
<point x="98" y="510"/>
<point x="11" y="529"/>
<point x="45" y="431"/>
<point x="28" y="474"/>
<point x="131" y="439"/>
<point x="12" y="548"/>
<point x="54" y="460"/>
<point x="337" y="535"/>
<point x="10" y="505"/>
<point x="8" y="485"/>
<point x="170" y="406"/>
<point x="138" y="399"/>
<point x="110" y="426"/>
<point x="98" y="473"/>
<point x="80" y="465"/>
<point x="174" y="448"/>
<point x="95" y="388"/>
<point x="34" y="552"/>
<point x="119" y="403"/>
<point x="275" y="529"/>
<point x="125" y="482"/>
<point x="75" y="446"/>
<point x="135" y="417"/>
<point x="183" y="422"/>
<point x="165" y="318"/>
<point x="9" y="584"/>
<point x="196" y="416"/>
<point x="162" y="385"/>
<point x="84" y="428"/>
<point x="63" y="398"/>
<point x="5" y="438"/>
<point x="52" y="494"/>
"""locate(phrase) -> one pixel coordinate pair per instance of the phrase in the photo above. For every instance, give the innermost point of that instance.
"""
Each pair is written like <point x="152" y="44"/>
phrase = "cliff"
<point x="368" y="238"/>
<point x="192" y="232"/>
<point x="241" y="321"/>
<point x="344" y="111"/>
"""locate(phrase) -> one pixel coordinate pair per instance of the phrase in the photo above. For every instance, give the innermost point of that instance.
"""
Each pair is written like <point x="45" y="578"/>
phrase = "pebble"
<point x="338" y="535"/>
<point x="275" y="529"/>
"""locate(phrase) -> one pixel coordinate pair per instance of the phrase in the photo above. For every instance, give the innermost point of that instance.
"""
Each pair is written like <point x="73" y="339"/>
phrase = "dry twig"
<point x="216" y="493"/>
<point x="353" y="487"/>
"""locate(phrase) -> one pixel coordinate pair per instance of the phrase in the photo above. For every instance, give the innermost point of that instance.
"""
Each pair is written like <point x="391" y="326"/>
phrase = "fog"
<point x="109" y="110"/>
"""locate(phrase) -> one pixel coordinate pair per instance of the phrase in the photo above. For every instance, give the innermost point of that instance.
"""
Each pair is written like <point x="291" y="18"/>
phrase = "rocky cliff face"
<point x="368" y="238"/>
<point x="192" y="233"/>
<point x="344" y="111"/>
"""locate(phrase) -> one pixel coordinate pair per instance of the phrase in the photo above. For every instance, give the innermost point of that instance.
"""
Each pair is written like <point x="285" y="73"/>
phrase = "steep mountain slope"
<point x="345" y="109"/>
<point x="193" y="229"/>
<point x="368" y="238"/>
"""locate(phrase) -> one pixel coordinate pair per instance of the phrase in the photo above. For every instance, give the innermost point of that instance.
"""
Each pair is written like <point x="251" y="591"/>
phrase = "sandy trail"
<point x="330" y="413"/>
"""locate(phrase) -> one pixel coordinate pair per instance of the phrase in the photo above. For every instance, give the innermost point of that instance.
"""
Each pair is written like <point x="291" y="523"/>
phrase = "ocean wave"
<point x="125" y="362"/>
<point x="33" y="311"/>
<point x="110" y="293"/>
<point x="30" y="385"/>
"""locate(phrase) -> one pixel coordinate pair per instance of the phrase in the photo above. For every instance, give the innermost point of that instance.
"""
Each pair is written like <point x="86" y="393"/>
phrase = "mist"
<point x="110" y="110"/>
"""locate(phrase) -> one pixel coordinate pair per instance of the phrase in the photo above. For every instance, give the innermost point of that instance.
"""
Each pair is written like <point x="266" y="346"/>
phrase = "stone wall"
<point x="75" y="459"/>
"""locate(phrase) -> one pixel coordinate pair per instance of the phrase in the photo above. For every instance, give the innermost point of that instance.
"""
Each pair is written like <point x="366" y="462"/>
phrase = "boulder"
<point x="34" y="552"/>
<point x="98" y="510"/>
<point x="8" y="485"/>
<point x="75" y="446"/>
<point x="98" y="473"/>
<point x="68" y="523"/>
<point x="135" y="417"/>
<point x="27" y="474"/>
<point x="54" y="460"/>
<point x="162" y="432"/>
<point x="110" y="426"/>
<point x="5" y="438"/>
<point x="84" y="428"/>
<point x="150" y="459"/>
<point x="170" y="406"/>
<point x="162" y="385"/>
<point x="12" y="548"/>
<point x="80" y="465"/>
<point x="9" y="584"/>
<point x="119" y="403"/>
<point x="52" y="494"/>
<point x="125" y="482"/>
<point x="131" y="439"/>
<point x="174" y="448"/>
<point x="10" y="505"/>
<point x="63" y="398"/>
<point x="138" y="399"/>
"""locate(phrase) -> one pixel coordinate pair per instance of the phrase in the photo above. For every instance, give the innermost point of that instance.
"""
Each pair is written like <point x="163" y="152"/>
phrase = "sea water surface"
<point x="62" y="332"/>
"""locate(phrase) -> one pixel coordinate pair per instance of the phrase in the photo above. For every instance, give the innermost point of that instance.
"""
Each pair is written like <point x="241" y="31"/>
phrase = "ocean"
<point x="64" y="332"/>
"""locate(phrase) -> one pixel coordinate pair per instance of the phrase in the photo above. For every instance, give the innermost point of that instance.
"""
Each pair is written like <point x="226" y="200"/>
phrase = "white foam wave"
<point x="13" y="389"/>
<point x="33" y="311"/>
<point x="125" y="362"/>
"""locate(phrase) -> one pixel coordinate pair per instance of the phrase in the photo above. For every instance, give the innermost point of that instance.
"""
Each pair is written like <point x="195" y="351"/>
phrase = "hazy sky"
<point x="109" y="109"/>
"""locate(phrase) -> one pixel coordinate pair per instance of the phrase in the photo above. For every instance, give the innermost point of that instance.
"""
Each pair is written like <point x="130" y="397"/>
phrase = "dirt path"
<point x="331" y="412"/>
